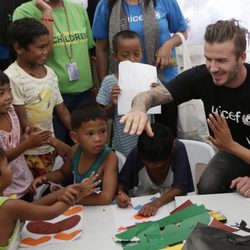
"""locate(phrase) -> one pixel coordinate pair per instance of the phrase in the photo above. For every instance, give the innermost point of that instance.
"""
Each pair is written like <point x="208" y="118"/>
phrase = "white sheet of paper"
<point x="125" y="216"/>
<point x="135" y="78"/>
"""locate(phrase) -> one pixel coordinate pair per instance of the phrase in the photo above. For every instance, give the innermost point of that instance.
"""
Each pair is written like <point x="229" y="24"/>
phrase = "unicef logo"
<point x="246" y="119"/>
<point x="157" y="15"/>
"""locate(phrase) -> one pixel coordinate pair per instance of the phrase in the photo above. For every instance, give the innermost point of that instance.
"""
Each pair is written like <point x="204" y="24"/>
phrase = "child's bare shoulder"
<point x="72" y="151"/>
<point x="111" y="160"/>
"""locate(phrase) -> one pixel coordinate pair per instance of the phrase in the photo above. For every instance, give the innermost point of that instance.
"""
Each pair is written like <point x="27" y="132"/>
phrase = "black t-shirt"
<point x="233" y="103"/>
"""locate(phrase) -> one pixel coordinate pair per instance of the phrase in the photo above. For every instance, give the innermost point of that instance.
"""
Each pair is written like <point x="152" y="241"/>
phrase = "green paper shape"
<point x="152" y="238"/>
<point x="173" y="233"/>
<point x="182" y="215"/>
<point x="130" y="233"/>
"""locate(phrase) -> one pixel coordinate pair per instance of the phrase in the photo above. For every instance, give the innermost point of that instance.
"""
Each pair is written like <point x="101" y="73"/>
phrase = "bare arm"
<point x="137" y="120"/>
<point x="64" y="115"/>
<point x="56" y="176"/>
<point x="109" y="184"/>
<point x="22" y="116"/>
<point x="223" y="138"/>
<point x="102" y="55"/>
<point x="46" y="17"/>
<point x="163" y="54"/>
<point x="61" y="148"/>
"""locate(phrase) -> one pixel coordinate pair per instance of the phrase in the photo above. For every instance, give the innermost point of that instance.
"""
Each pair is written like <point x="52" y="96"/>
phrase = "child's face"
<point x="6" y="174"/>
<point x="37" y="52"/>
<point x="92" y="136"/>
<point x="129" y="49"/>
<point x="5" y="98"/>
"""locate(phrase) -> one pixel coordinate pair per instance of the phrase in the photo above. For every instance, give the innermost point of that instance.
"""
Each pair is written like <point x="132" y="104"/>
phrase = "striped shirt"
<point x="121" y="141"/>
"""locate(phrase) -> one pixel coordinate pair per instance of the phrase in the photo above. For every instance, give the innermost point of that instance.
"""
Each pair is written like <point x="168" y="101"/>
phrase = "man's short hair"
<point x="225" y="30"/>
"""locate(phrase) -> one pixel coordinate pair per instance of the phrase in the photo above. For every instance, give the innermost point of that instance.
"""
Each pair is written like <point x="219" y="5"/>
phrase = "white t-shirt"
<point x="39" y="96"/>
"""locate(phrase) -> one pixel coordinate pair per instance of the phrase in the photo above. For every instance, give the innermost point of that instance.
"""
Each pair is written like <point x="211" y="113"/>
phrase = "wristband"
<point x="47" y="19"/>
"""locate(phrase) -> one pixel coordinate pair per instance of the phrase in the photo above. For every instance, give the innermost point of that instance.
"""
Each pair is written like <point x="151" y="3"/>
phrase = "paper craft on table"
<point x="66" y="227"/>
<point x="135" y="78"/>
<point x="125" y="217"/>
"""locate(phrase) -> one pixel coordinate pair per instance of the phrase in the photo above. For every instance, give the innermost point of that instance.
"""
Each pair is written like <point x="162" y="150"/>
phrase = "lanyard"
<point x="70" y="50"/>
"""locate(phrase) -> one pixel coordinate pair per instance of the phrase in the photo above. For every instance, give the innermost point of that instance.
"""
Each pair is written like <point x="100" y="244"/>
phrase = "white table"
<point x="99" y="224"/>
<point x="233" y="205"/>
<point x="98" y="229"/>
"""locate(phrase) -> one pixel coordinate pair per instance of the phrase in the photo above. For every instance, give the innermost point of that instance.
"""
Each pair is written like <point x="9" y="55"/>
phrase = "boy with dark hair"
<point x="127" y="46"/>
<point x="35" y="88"/>
<point x="158" y="164"/>
<point x="89" y="154"/>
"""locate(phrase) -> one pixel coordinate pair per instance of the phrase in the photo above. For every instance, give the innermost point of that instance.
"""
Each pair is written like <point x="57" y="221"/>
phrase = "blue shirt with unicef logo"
<point x="168" y="14"/>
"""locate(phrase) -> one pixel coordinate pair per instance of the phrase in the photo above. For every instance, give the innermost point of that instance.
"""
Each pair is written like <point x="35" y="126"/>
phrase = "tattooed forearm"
<point x="156" y="96"/>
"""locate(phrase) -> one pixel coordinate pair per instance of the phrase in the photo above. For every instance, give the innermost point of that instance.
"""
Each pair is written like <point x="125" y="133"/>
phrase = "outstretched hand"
<point x="222" y="136"/>
<point x="135" y="122"/>
<point x="89" y="185"/>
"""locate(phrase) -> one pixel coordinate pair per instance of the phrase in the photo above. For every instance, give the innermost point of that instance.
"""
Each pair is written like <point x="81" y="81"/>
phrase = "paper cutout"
<point x="73" y="210"/>
<point x="29" y="241"/>
<point x="72" y="231"/>
<point x="220" y="225"/>
<point x="183" y="205"/>
<point x="44" y="227"/>
<point x="134" y="78"/>
<point x="176" y="247"/>
<point x="65" y="236"/>
<point x="138" y="207"/>
<point x="140" y="217"/>
<point x="170" y="230"/>
<point x="153" y="198"/>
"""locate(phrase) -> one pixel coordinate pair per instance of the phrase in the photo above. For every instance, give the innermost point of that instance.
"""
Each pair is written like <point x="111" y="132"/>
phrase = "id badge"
<point x="73" y="72"/>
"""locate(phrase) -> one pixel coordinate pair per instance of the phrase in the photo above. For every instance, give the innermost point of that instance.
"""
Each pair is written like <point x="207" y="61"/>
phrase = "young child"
<point x="126" y="46"/>
<point x="35" y="88"/>
<point x="158" y="164"/>
<point x="90" y="133"/>
<point x="11" y="142"/>
<point x="13" y="210"/>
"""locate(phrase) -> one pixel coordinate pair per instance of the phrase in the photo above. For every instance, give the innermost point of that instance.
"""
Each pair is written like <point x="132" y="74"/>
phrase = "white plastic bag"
<point x="191" y="121"/>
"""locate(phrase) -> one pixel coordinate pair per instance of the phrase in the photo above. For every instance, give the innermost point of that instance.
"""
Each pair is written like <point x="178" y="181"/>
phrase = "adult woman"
<point x="153" y="20"/>
<point x="71" y="39"/>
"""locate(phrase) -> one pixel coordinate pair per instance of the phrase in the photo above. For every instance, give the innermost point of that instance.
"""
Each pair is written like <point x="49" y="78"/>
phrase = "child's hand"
<point x="70" y="195"/>
<point x="150" y="208"/>
<point x="88" y="185"/>
<point x="122" y="199"/>
<point x="39" y="181"/>
<point x="42" y="5"/>
<point x="39" y="138"/>
<point x="116" y="91"/>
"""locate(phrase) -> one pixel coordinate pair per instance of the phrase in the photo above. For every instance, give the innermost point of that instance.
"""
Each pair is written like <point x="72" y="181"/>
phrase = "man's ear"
<point x="243" y="57"/>
<point x="74" y="136"/>
<point x="18" y="48"/>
